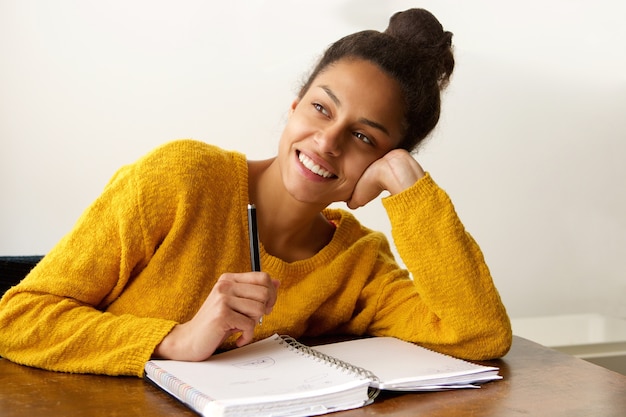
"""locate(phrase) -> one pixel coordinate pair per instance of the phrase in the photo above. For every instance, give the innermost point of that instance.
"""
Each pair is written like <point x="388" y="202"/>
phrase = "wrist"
<point x="166" y="348"/>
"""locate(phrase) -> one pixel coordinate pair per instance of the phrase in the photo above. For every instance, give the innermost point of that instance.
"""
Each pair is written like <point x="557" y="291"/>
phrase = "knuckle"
<point x="223" y="287"/>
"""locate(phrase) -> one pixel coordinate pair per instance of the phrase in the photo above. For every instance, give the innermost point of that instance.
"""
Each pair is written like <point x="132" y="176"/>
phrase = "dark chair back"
<point x="14" y="268"/>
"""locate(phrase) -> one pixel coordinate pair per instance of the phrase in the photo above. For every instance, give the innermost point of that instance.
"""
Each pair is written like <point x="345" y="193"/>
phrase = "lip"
<point x="318" y="161"/>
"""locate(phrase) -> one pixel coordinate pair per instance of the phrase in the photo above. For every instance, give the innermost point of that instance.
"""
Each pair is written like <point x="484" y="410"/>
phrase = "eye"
<point x="363" y="138"/>
<point x="321" y="109"/>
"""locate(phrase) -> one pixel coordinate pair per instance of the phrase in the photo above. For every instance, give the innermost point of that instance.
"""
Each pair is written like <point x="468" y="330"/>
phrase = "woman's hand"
<point x="235" y="304"/>
<point x="396" y="171"/>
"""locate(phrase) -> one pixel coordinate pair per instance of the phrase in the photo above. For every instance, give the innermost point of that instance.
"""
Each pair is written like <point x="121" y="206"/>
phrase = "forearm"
<point x="55" y="317"/>
<point x="58" y="334"/>
<point x="449" y="272"/>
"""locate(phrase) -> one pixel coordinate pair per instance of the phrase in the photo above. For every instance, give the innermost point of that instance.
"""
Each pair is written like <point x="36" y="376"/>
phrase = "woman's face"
<point x="351" y="116"/>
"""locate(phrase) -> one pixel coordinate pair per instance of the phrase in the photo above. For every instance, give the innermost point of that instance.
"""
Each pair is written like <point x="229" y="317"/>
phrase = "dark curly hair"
<point x="416" y="52"/>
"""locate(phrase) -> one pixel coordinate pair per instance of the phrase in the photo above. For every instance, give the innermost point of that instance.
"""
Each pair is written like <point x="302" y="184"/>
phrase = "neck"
<point x="289" y="229"/>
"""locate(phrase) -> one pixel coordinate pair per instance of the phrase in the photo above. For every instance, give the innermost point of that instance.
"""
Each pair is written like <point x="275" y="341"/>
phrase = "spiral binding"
<point x="294" y="345"/>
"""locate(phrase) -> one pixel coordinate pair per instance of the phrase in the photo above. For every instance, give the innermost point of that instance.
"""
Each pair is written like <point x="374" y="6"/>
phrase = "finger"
<point x="250" y="308"/>
<point x="228" y="312"/>
<point x="261" y="287"/>
<point x="244" y="339"/>
<point x="273" y="296"/>
<point x="401" y="171"/>
<point x="250" y="285"/>
<point x="255" y="300"/>
<point x="363" y="195"/>
<point x="237" y="318"/>
<point x="250" y="294"/>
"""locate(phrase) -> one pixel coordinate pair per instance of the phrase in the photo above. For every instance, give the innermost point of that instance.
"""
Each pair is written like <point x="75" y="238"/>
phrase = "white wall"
<point x="531" y="144"/>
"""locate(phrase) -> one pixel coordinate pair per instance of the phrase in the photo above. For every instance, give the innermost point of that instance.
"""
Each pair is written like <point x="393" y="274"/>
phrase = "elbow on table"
<point x="494" y="341"/>
<point x="491" y="340"/>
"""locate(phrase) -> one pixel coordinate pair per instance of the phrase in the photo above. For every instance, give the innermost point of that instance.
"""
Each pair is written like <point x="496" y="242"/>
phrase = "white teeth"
<point x="313" y="167"/>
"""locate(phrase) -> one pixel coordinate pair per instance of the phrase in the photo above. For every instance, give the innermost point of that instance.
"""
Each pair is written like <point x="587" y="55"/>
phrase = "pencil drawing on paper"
<point x="254" y="364"/>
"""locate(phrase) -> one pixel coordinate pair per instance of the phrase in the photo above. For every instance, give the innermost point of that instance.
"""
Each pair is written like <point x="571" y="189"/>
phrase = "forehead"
<point x="361" y="87"/>
<point x="361" y="74"/>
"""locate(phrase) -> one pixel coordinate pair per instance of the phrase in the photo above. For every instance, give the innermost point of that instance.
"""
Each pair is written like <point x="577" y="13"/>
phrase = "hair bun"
<point x="418" y="27"/>
<point x="421" y="30"/>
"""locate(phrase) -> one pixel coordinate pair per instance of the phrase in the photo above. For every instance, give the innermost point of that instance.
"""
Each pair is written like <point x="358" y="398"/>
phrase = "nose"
<point x="330" y="141"/>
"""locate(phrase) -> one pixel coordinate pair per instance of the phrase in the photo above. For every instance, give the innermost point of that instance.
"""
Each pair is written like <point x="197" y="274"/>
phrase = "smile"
<point x="313" y="167"/>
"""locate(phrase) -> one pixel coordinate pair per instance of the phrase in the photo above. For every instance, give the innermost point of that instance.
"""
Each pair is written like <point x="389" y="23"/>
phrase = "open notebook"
<point x="280" y="376"/>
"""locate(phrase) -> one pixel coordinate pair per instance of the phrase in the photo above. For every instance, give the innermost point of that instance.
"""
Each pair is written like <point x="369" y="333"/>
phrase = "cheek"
<point x="291" y="132"/>
<point x="286" y="139"/>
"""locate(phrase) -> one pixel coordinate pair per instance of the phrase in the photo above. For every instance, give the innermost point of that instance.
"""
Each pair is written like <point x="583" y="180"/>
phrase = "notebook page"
<point x="395" y="361"/>
<point x="267" y="370"/>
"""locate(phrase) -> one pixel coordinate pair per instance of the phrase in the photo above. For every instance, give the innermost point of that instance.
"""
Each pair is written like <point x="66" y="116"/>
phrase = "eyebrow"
<point x="363" y="120"/>
<point x="332" y="95"/>
<point x="375" y="125"/>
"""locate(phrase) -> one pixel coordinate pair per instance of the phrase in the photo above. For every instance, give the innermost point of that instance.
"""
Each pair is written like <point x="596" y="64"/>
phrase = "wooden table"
<point x="537" y="382"/>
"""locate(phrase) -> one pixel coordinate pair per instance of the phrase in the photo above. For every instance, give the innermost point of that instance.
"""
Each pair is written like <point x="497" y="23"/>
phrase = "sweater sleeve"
<point x="451" y="300"/>
<point x="55" y="318"/>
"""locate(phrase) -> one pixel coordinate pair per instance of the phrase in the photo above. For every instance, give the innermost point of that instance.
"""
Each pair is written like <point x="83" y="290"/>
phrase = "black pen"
<point x="253" y="235"/>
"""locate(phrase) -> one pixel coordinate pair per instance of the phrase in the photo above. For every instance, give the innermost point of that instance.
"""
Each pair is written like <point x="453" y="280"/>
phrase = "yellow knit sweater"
<point x="145" y="255"/>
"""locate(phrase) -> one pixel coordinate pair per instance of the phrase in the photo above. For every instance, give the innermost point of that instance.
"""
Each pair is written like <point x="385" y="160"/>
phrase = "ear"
<point x="293" y="106"/>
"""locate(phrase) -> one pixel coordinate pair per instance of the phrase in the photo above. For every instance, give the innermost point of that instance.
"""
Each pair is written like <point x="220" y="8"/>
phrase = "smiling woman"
<point x="158" y="265"/>
<point x="336" y="130"/>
